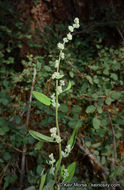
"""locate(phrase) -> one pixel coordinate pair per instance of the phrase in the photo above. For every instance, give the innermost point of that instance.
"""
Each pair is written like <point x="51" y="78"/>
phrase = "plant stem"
<point x="57" y="125"/>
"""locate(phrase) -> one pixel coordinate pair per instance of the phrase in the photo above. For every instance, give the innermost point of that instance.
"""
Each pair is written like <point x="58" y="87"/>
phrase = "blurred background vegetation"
<point x="29" y="33"/>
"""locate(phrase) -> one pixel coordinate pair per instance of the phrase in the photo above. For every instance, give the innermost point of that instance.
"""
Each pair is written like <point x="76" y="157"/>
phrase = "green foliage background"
<point x="96" y="71"/>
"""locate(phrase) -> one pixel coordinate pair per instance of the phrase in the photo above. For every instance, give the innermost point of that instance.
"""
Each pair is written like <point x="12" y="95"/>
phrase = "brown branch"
<point x="27" y="123"/>
<point x="119" y="31"/>
<point x="113" y="133"/>
<point x="17" y="149"/>
<point x="3" y="172"/>
<point x="92" y="157"/>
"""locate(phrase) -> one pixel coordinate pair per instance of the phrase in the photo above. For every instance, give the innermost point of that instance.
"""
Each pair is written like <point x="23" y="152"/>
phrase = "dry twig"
<point x="27" y="123"/>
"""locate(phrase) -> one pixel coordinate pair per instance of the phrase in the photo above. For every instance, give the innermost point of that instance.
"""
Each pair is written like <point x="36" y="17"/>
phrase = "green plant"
<point x="63" y="174"/>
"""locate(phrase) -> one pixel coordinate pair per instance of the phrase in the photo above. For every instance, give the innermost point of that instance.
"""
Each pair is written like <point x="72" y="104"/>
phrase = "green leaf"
<point x="103" y="160"/>
<point x="72" y="123"/>
<point x="38" y="145"/>
<point x="96" y="123"/>
<point x="72" y="139"/>
<point x="75" y="116"/>
<point x="119" y="171"/>
<point x="68" y="87"/>
<point x="99" y="109"/>
<point x="71" y="74"/>
<point x="39" y="170"/>
<point x="106" y="72"/>
<point x="42" y="98"/>
<point x="58" y="163"/>
<point x="90" y="109"/>
<point x="64" y="108"/>
<point x="42" y="182"/>
<point x="88" y="144"/>
<point x="76" y="109"/>
<point x="4" y="130"/>
<point x="47" y="68"/>
<point x="40" y="137"/>
<point x="116" y="95"/>
<point x="114" y="76"/>
<point x="49" y="185"/>
<point x="95" y="95"/>
<point x="95" y="79"/>
<point x="62" y="171"/>
<point x="108" y="101"/>
<point x="6" y="156"/>
<point x="96" y="145"/>
<point x="60" y="76"/>
<point x="71" y="171"/>
<point x="96" y="152"/>
<point x="89" y="79"/>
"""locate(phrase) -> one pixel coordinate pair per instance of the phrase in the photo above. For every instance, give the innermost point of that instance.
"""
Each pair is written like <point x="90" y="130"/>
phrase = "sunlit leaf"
<point x="42" y="98"/>
<point x="40" y="137"/>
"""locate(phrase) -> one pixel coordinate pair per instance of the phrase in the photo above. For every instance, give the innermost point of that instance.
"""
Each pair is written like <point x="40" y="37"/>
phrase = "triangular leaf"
<point x="40" y="137"/>
<point x="42" y="98"/>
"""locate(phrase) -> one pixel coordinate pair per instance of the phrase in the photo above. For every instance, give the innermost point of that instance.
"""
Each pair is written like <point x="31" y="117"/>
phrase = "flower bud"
<point x="65" y="40"/>
<point x="71" y="29"/>
<point x="60" y="46"/>
<point x="56" y="63"/>
<point x="62" y="55"/>
<point x="76" y="20"/>
<point x="69" y="36"/>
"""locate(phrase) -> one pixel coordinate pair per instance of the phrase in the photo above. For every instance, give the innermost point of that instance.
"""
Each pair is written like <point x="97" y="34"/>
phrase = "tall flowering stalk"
<point x="61" y="83"/>
<point x="54" y="100"/>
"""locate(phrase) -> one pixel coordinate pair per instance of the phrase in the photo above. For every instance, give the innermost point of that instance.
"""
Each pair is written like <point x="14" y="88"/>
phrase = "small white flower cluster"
<point x="53" y="132"/>
<point x="60" y="46"/>
<point x="53" y="100"/>
<point x="59" y="90"/>
<point x="66" y="174"/>
<point x="67" y="151"/>
<point x="56" y="63"/>
<point x="51" y="162"/>
<point x="62" y="55"/>
<point x="76" y="23"/>
<point x="62" y="83"/>
<point x="56" y="75"/>
<point x="67" y="38"/>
